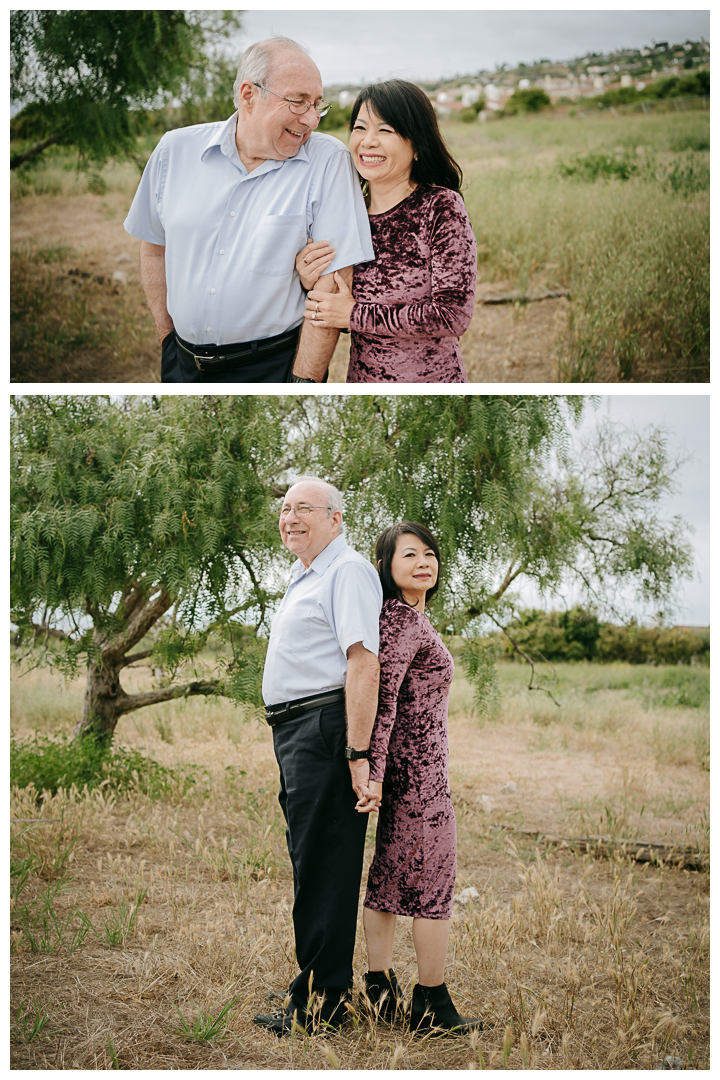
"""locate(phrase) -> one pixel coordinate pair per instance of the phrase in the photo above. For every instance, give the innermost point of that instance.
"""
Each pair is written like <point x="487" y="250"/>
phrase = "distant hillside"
<point x="569" y="80"/>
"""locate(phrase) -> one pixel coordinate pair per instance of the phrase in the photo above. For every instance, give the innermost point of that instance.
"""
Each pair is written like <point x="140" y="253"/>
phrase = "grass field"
<point x="135" y="920"/>
<point x="613" y="208"/>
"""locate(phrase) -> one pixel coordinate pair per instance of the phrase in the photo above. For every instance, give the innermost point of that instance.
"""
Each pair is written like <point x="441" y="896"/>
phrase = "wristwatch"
<point x="354" y="755"/>
<point x="298" y="378"/>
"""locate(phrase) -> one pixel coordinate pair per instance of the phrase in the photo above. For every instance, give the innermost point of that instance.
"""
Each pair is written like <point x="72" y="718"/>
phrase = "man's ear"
<point x="245" y="95"/>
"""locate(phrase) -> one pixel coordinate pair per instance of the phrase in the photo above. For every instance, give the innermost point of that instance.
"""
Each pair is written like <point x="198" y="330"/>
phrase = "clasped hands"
<point x="369" y="792"/>
<point x="323" y="309"/>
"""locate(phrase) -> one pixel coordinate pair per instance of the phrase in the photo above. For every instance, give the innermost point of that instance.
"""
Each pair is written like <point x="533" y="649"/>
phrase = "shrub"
<point x="658" y="645"/>
<point x="592" y="167"/>
<point x="557" y="635"/>
<point x="53" y="762"/>
<point x="336" y="118"/>
<point x="532" y="100"/>
<point x="577" y="634"/>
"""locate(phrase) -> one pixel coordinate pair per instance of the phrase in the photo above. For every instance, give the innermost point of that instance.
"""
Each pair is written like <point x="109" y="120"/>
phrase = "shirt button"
<point x="212" y="290"/>
<point x="232" y="213"/>
<point x="208" y="328"/>
<point x="222" y="251"/>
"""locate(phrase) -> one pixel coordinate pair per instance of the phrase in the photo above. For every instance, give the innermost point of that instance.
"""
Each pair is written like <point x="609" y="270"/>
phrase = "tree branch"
<point x="127" y="660"/>
<point x="509" y="578"/>
<point x="528" y="659"/>
<point x="49" y="631"/>
<point x="19" y="159"/>
<point x="130" y="702"/>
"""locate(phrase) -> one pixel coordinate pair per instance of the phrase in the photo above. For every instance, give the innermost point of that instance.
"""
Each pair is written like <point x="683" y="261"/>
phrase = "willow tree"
<point x="84" y="77"/>
<point x="141" y="526"/>
<point x="143" y="521"/>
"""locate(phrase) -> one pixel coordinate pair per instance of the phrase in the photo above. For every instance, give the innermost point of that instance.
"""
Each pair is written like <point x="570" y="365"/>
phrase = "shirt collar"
<point x="321" y="562"/>
<point x="224" y="138"/>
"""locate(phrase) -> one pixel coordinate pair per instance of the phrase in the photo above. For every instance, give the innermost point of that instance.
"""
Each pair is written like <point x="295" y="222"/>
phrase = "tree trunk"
<point x="105" y="700"/>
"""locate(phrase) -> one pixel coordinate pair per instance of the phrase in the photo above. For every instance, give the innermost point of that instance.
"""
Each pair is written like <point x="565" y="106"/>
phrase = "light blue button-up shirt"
<point x="326" y="609"/>
<point x="231" y="237"/>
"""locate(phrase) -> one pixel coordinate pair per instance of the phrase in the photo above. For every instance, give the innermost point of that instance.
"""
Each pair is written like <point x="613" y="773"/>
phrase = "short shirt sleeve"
<point x="353" y="606"/>
<point x="337" y="213"/>
<point x="144" y="219"/>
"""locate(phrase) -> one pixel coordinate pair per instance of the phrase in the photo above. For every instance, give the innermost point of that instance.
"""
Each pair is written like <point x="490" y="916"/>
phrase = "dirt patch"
<point x="589" y="963"/>
<point x="505" y="343"/>
<point x="73" y="320"/>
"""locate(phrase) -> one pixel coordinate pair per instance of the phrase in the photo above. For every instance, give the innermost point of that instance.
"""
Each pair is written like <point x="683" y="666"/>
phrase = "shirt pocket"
<point x="278" y="238"/>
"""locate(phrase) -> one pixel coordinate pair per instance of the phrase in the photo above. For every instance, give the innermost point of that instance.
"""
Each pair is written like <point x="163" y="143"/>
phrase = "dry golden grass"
<point x="573" y="962"/>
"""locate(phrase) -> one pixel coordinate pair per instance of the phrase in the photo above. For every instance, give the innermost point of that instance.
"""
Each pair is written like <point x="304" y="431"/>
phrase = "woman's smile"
<point x="379" y="152"/>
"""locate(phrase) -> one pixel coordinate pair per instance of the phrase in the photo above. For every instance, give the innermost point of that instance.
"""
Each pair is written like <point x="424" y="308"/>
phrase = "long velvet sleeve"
<point x="453" y="277"/>
<point x="400" y="639"/>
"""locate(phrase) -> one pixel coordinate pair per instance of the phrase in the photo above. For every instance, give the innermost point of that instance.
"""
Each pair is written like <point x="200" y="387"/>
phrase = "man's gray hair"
<point x="334" y="497"/>
<point x="256" y="62"/>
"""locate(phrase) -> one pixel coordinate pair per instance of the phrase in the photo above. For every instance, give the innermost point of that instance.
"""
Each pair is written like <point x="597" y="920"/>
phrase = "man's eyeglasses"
<point x="299" y="108"/>
<point x="302" y="510"/>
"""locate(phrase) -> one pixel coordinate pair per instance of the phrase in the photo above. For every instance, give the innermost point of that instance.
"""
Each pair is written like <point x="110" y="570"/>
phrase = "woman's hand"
<point x="312" y="262"/>
<point x="330" y="309"/>
<point x="370" y="804"/>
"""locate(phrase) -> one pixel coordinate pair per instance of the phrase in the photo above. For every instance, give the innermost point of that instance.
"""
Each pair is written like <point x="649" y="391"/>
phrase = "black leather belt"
<point x="225" y="357"/>
<point x="278" y="714"/>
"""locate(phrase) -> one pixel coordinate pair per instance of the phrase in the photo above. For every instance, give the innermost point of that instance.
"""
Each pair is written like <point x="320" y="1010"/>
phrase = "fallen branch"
<point x="606" y="847"/>
<point x="515" y="295"/>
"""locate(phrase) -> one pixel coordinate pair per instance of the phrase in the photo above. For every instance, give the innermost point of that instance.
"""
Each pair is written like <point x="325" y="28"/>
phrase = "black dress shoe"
<point x="433" y="1011"/>
<point x="281" y="1023"/>
<point x="384" y="996"/>
<point x="277" y="1021"/>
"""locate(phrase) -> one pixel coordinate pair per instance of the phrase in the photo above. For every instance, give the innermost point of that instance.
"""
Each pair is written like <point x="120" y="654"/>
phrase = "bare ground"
<point x="505" y="343"/>
<point x="588" y="963"/>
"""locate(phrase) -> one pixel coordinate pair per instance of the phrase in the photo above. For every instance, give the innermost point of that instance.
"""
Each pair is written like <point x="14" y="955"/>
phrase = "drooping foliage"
<point x="85" y="78"/>
<point x="153" y="520"/>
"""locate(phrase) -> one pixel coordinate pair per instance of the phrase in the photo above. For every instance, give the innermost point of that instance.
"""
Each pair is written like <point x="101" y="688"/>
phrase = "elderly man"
<point x="223" y="209"/>
<point x="320" y="688"/>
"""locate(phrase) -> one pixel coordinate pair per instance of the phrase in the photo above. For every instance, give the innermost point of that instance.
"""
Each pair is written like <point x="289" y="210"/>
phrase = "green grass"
<point x="663" y="708"/>
<point x="53" y="762"/>
<point x="206" y="1028"/>
<point x="31" y="1020"/>
<point x="613" y="208"/>
<point x="56" y="173"/>
<point x="616" y="209"/>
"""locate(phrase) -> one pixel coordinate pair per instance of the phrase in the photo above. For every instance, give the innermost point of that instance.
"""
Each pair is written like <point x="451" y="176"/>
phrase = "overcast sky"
<point x="372" y="44"/>
<point x="686" y="418"/>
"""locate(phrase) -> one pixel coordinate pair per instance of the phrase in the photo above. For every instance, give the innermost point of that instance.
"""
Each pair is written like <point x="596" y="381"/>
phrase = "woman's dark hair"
<point x="407" y="109"/>
<point x="385" y="549"/>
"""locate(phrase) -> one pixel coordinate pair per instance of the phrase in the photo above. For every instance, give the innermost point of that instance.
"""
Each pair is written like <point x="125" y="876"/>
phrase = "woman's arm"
<point x="400" y="639"/>
<point x="453" y="274"/>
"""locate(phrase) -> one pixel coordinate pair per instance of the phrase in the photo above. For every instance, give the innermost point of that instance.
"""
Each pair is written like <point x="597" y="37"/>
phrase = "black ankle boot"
<point x="383" y="984"/>
<point x="433" y="1009"/>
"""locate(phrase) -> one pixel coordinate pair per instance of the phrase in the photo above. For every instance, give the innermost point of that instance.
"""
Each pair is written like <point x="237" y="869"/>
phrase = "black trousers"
<point x="326" y="840"/>
<point x="179" y="368"/>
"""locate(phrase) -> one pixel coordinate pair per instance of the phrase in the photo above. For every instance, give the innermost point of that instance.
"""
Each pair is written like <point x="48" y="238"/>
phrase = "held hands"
<point x="369" y="792"/>
<point x="312" y="262"/>
<point x="373" y="802"/>
<point x="330" y="309"/>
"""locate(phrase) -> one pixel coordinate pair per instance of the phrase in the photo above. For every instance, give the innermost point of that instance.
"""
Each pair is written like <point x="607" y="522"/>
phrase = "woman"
<point x="408" y="308"/>
<point x="413" y="872"/>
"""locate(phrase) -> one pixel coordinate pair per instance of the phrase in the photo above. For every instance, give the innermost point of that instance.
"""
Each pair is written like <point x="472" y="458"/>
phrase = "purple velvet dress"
<point x="417" y="297"/>
<point x="413" y="872"/>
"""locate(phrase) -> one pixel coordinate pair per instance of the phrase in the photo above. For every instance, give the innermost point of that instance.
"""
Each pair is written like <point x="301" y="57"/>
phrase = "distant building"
<point x="494" y="97"/>
<point x="470" y="94"/>
<point x="626" y="80"/>
<point x="524" y="84"/>
<point x="347" y="97"/>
